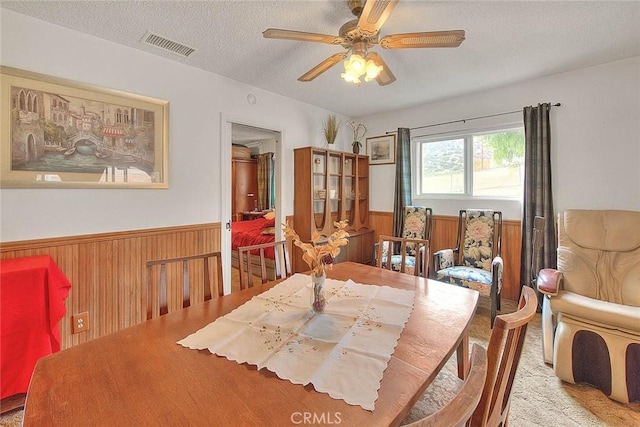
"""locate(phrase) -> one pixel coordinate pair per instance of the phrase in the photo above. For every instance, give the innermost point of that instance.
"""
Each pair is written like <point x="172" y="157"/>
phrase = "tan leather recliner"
<point x="593" y="301"/>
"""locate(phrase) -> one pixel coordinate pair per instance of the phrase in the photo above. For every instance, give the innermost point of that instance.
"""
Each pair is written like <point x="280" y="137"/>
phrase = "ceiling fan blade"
<point x="386" y="76"/>
<point x="374" y="14"/>
<point x="274" y="33"/>
<point x="428" y="39"/>
<point x="322" y="67"/>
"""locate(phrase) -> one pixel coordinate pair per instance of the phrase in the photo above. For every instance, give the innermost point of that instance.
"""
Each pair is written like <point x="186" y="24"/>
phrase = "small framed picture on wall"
<point x="381" y="149"/>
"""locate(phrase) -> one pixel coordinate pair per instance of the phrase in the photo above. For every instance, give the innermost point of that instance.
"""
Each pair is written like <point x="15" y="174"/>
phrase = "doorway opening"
<point x="251" y="161"/>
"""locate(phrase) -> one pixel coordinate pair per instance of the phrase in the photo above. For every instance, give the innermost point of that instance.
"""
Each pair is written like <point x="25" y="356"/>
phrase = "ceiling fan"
<point x="361" y="34"/>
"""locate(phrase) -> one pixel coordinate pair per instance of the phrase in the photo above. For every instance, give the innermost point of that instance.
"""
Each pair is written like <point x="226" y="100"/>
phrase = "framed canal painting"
<point x="60" y="133"/>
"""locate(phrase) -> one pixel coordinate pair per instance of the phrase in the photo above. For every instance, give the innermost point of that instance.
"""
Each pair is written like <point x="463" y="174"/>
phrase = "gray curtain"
<point x="538" y="200"/>
<point x="402" y="196"/>
<point x="264" y="181"/>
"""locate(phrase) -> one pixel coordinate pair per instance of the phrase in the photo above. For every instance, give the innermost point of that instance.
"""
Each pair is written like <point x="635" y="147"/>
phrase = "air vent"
<point x="166" y="44"/>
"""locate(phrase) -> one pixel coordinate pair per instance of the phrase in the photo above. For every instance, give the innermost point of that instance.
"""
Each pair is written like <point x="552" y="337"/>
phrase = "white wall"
<point x="595" y="136"/>
<point x="197" y="100"/>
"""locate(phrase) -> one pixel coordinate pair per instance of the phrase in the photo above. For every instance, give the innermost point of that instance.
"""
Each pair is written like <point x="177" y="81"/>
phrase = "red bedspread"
<point x="32" y="302"/>
<point x="247" y="233"/>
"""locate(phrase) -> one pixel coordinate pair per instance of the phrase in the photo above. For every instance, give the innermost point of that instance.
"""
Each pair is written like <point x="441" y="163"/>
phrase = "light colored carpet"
<point x="11" y="419"/>
<point x="539" y="398"/>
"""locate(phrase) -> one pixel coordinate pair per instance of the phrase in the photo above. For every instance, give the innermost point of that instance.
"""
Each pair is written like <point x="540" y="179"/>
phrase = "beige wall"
<point x="595" y="143"/>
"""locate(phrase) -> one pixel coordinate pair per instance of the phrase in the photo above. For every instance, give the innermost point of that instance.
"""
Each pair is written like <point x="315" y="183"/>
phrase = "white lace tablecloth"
<point x="342" y="352"/>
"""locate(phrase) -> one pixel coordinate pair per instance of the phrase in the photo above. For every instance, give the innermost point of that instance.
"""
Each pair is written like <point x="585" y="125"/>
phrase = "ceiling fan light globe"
<point x="372" y="71"/>
<point x="351" y="78"/>
<point x="357" y="62"/>
<point x="347" y="77"/>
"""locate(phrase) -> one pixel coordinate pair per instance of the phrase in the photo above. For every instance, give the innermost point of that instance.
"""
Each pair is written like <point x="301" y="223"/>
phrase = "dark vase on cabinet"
<point x="356" y="146"/>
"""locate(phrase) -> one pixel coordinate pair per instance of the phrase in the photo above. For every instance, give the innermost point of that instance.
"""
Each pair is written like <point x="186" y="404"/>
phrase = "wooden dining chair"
<point x="162" y="273"/>
<point x="460" y="408"/>
<point x="503" y="353"/>
<point x="411" y="258"/>
<point x="270" y="268"/>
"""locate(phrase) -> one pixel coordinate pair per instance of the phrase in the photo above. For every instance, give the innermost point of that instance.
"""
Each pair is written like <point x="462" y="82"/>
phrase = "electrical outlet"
<point x="80" y="322"/>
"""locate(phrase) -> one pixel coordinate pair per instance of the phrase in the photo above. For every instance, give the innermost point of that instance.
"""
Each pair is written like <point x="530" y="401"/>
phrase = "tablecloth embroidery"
<point x="342" y="352"/>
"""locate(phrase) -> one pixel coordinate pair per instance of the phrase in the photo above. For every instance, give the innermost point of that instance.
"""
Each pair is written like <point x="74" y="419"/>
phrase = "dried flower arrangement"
<point x="320" y="256"/>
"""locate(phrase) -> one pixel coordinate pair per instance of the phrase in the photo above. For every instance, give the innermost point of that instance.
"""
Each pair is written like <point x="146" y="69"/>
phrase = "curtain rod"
<point x="471" y="118"/>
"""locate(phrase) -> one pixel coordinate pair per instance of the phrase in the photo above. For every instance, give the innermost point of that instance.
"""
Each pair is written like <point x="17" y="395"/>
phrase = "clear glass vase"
<point x="318" y="300"/>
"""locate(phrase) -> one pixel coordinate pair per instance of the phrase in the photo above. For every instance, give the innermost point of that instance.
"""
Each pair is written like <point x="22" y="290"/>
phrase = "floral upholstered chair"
<point x="417" y="225"/>
<point x="475" y="262"/>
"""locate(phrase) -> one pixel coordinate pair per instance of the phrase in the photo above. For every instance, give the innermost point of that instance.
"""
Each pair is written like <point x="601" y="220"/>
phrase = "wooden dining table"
<point x="141" y="376"/>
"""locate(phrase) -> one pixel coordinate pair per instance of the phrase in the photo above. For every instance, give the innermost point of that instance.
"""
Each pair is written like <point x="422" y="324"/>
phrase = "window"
<point x="443" y="167"/>
<point x="482" y="164"/>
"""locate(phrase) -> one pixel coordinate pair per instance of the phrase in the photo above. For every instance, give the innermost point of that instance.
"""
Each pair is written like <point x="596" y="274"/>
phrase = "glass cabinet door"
<point x="335" y="185"/>
<point x="362" y="191"/>
<point x="349" y="188"/>
<point x="319" y="188"/>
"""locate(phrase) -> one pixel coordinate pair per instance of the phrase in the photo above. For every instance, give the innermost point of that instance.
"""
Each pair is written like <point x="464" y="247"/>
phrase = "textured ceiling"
<point x="506" y="42"/>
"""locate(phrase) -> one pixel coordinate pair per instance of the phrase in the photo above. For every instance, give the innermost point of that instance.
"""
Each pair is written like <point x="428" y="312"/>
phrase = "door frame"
<point x="226" y="133"/>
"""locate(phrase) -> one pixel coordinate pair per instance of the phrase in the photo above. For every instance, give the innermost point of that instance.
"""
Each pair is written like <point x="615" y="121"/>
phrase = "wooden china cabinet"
<point x="332" y="186"/>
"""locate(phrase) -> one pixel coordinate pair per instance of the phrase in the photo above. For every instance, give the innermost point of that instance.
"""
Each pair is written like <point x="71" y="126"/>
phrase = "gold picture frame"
<point x="381" y="149"/>
<point x="60" y="133"/>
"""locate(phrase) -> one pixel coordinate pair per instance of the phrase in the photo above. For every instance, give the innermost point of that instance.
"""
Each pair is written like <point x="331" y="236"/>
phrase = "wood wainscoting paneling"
<point x="107" y="271"/>
<point x="108" y="276"/>
<point x="445" y="229"/>
<point x="382" y="224"/>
